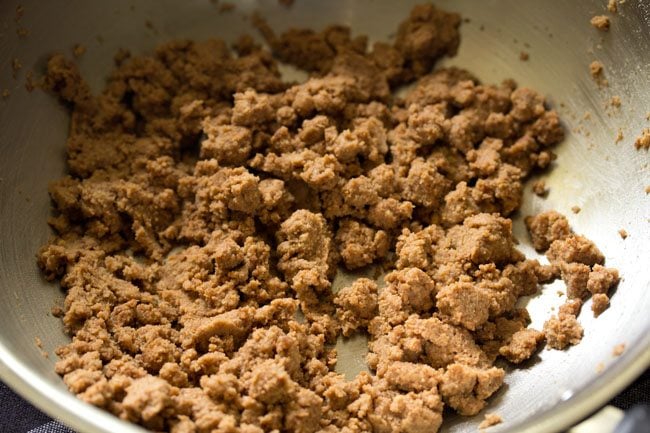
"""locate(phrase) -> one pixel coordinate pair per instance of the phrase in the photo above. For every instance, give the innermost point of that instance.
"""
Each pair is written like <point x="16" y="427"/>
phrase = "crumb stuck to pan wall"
<point x="491" y="419"/>
<point x="618" y="349"/>
<point x="643" y="140"/>
<point x="600" y="22"/>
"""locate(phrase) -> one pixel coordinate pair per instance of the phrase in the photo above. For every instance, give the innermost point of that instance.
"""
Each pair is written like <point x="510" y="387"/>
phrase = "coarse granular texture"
<point x="601" y="22"/>
<point x="209" y="204"/>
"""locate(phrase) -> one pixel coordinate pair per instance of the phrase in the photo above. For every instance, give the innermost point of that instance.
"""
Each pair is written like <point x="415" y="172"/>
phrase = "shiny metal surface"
<point x="605" y="179"/>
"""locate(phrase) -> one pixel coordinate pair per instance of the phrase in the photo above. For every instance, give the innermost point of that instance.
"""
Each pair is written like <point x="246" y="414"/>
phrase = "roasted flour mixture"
<point x="208" y="201"/>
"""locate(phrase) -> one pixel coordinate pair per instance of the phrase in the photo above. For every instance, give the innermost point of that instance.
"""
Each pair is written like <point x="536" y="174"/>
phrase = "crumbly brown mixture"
<point x="601" y="22"/>
<point x="209" y="204"/>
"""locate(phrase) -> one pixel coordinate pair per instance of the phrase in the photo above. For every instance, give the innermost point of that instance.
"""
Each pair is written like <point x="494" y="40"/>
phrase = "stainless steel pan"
<point x="606" y="180"/>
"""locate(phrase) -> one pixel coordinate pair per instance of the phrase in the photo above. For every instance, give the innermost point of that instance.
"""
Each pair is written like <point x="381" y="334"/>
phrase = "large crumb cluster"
<point x="209" y="204"/>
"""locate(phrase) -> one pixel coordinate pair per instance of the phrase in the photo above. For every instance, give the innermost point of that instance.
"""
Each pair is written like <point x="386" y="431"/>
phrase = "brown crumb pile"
<point x="579" y="263"/>
<point x="209" y="204"/>
<point x="601" y="22"/>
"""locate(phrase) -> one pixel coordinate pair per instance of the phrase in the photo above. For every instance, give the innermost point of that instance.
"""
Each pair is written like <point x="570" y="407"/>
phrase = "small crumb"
<point x="39" y="344"/>
<point x="540" y="189"/>
<point x="601" y="22"/>
<point x="596" y="69"/>
<point x="20" y="12"/>
<point x="599" y="303"/>
<point x="226" y="7"/>
<point x="600" y="367"/>
<point x="560" y="293"/>
<point x="30" y="85"/>
<point x="647" y="115"/>
<point x="490" y="420"/>
<point x="647" y="189"/>
<point x="615" y="101"/>
<point x="643" y="141"/>
<point x="57" y="311"/>
<point x="524" y="56"/>
<point x="5" y="93"/>
<point x="575" y="209"/>
<point x="618" y="349"/>
<point x="623" y="234"/>
<point x="619" y="136"/>
<point x="481" y="27"/>
<point x="22" y="32"/>
<point x="587" y="115"/>
<point x="78" y="50"/>
<point x="286" y="3"/>
<point x="16" y="66"/>
<point x="612" y="6"/>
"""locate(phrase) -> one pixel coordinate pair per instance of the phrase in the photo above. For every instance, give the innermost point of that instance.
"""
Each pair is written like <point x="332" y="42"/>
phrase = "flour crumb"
<point x="612" y="6"/>
<point x="78" y="50"/>
<point x="601" y="22"/>
<point x="623" y="233"/>
<point x="619" y="136"/>
<point x="490" y="420"/>
<point x="30" y="85"/>
<point x="615" y="101"/>
<point x="22" y="32"/>
<point x="597" y="71"/>
<point x="20" y="12"/>
<point x="39" y="344"/>
<point x="575" y="209"/>
<point x="16" y="66"/>
<point x="540" y="189"/>
<point x="643" y="141"/>
<point x="618" y="349"/>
